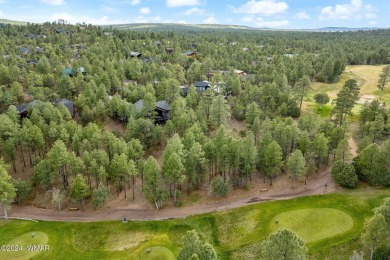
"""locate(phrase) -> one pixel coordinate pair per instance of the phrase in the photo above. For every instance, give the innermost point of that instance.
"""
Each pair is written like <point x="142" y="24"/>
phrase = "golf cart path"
<point x="315" y="187"/>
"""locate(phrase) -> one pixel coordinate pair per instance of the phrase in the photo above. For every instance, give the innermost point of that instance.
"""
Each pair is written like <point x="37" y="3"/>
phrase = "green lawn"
<point x="314" y="224"/>
<point x="236" y="234"/>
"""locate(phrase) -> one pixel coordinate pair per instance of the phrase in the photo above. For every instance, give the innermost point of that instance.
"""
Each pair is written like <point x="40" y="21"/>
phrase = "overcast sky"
<point x="254" y="13"/>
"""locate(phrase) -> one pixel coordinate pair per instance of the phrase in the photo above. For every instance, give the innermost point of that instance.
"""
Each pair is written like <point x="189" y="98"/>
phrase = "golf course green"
<point x="314" y="224"/>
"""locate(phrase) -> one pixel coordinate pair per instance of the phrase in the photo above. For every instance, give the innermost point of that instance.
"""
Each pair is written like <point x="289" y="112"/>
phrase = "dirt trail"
<point x="353" y="145"/>
<point x="315" y="187"/>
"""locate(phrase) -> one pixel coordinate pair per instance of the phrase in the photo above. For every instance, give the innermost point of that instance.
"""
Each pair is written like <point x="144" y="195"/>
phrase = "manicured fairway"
<point x="24" y="242"/>
<point x="331" y="225"/>
<point x="314" y="224"/>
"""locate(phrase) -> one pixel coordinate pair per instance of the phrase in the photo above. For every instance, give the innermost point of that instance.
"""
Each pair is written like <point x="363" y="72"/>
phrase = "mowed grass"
<point x="314" y="224"/>
<point x="21" y="244"/>
<point x="235" y="234"/>
<point x="366" y="76"/>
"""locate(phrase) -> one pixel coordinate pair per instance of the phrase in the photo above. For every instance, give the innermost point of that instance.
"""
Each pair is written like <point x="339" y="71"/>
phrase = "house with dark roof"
<point x="194" y="45"/>
<point x="23" y="108"/>
<point x="168" y="50"/>
<point x="24" y="50"/>
<point x="202" y="86"/>
<point x="184" y="90"/>
<point x="67" y="103"/>
<point x="134" y="54"/>
<point x="190" y="53"/>
<point x="32" y="62"/>
<point x="163" y="110"/>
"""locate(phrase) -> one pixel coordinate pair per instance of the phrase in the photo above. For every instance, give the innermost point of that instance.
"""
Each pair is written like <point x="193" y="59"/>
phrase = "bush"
<point x="344" y="174"/>
<point x="219" y="187"/>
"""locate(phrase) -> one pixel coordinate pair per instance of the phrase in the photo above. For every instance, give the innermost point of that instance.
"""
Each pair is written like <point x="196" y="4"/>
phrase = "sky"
<point x="283" y="14"/>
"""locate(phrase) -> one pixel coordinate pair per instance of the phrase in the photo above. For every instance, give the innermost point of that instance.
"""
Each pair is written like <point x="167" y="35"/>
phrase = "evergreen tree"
<point x="296" y="165"/>
<point x="283" y="244"/>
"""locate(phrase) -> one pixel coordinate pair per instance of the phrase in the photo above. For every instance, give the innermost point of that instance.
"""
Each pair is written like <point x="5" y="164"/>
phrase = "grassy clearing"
<point x="236" y="234"/>
<point x="313" y="224"/>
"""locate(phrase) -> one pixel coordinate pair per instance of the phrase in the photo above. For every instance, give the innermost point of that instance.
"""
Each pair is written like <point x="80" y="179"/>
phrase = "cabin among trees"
<point x="161" y="113"/>
<point x="24" y="109"/>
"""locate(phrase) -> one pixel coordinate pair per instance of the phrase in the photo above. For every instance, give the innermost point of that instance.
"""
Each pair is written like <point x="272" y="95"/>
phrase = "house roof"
<point x="204" y="83"/>
<point x="67" y="103"/>
<point x="184" y="89"/>
<point x="33" y="62"/>
<point x="21" y="108"/>
<point x="188" y="53"/>
<point x="67" y="71"/>
<point x="24" y="50"/>
<point x="163" y="105"/>
<point x="139" y="105"/>
<point x="39" y="49"/>
<point x="135" y="54"/>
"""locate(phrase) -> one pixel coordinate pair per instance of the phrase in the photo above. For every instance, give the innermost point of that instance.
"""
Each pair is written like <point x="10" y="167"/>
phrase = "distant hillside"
<point x="176" y="26"/>
<point x="12" y="22"/>
<point x="345" y="29"/>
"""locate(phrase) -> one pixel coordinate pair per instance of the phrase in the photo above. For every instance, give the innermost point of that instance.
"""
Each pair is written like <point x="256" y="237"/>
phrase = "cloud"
<point x="194" y="10"/>
<point x="260" y="22"/>
<point x="372" y="23"/>
<point x="177" y="3"/>
<point x="144" y="10"/>
<point x="302" y="16"/>
<point x="53" y="2"/>
<point x="355" y="9"/>
<point x="211" y="20"/>
<point x="134" y="2"/>
<point x="263" y="7"/>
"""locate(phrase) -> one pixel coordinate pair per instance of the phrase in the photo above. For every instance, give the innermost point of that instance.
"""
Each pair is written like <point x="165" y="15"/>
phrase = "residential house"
<point x="134" y="54"/>
<point x="163" y="110"/>
<point x="24" y="50"/>
<point x="202" y="86"/>
<point x="184" y="90"/>
<point x="70" y="72"/>
<point x="190" y="53"/>
<point x="24" y="108"/>
<point x="168" y="50"/>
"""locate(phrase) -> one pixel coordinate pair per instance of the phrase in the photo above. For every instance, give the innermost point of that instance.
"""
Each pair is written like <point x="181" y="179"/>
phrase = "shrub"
<point x="219" y="187"/>
<point x="344" y="174"/>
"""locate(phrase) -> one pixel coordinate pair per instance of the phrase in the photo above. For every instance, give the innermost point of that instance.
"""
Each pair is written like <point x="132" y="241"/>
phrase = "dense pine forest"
<point x="62" y="87"/>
